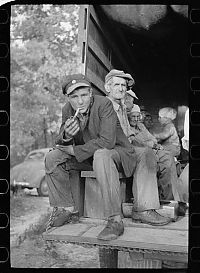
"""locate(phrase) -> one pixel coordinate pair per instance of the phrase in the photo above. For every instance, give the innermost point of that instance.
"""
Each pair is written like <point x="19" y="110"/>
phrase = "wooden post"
<point x="93" y="205"/>
<point x="108" y="258"/>
<point x="78" y="189"/>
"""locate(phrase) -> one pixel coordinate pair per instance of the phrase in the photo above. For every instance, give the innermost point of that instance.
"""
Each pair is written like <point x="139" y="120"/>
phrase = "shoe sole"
<point x="150" y="223"/>
<point x="108" y="239"/>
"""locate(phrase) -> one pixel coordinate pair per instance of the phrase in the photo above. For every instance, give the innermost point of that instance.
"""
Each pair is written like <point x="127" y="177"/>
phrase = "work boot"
<point x="112" y="230"/>
<point x="59" y="217"/>
<point x="150" y="217"/>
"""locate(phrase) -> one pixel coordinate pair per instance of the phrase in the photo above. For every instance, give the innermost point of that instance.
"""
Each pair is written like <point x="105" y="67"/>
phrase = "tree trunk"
<point x="45" y="133"/>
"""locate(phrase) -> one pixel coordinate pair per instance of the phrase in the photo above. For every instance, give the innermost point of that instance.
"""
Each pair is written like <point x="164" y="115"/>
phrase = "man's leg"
<point x="57" y="167"/>
<point x="173" y="149"/>
<point x="106" y="166"/>
<point x="145" y="189"/>
<point x="167" y="176"/>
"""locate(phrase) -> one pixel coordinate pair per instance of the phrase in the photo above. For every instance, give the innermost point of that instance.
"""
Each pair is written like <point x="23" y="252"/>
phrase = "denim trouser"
<point x="106" y="165"/>
<point x="154" y="170"/>
<point x="167" y="176"/>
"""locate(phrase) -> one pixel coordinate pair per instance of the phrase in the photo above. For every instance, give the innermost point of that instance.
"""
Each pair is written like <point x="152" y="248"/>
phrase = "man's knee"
<point x="105" y="155"/>
<point x="146" y="155"/>
<point x="51" y="156"/>
<point x="102" y="154"/>
<point x="51" y="160"/>
<point x="143" y="151"/>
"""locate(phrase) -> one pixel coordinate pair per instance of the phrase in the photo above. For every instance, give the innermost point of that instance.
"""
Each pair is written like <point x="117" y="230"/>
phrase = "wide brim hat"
<point x="72" y="82"/>
<point x="131" y="93"/>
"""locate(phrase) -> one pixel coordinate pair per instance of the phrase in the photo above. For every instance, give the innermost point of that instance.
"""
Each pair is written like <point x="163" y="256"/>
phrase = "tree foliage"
<point x="43" y="50"/>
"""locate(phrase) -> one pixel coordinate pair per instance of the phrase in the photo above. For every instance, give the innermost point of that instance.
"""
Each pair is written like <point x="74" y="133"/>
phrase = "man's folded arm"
<point x="167" y="132"/>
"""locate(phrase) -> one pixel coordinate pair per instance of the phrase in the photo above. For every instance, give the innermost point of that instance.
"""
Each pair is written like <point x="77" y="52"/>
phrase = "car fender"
<point x="35" y="182"/>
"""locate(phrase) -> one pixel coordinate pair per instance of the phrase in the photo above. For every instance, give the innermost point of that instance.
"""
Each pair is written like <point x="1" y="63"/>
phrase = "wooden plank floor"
<point x="172" y="237"/>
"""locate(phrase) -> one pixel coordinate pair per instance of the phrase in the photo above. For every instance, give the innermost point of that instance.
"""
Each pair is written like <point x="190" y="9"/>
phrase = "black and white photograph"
<point x="99" y="136"/>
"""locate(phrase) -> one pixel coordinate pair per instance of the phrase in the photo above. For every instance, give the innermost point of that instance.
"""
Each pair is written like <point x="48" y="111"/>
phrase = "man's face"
<point x="80" y="98"/>
<point x="148" y="122"/>
<point x="117" y="88"/>
<point x="134" y="118"/>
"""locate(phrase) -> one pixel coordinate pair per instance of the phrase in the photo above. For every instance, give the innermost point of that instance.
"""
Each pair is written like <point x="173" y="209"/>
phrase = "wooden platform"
<point x="169" y="242"/>
<point x="141" y="245"/>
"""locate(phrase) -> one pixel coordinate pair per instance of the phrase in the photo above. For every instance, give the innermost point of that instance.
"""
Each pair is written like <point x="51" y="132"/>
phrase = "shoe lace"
<point x="52" y="218"/>
<point x="111" y="224"/>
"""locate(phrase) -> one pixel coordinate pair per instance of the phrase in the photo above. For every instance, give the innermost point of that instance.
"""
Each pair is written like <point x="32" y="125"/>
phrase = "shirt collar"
<point x="116" y="105"/>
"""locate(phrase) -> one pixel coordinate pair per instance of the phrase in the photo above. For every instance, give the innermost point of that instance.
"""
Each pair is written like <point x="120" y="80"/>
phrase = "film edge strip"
<point x="194" y="16"/>
<point x="194" y="147"/>
<point x="4" y="137"/>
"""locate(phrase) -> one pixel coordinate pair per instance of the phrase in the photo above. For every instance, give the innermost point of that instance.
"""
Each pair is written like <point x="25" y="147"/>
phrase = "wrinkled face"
<point x="134" y="118"/>
<point x="129" y="100"/>
<point x="148" y="122"/>
<point x="80" y="98"/>
<point x="117" y="88"/>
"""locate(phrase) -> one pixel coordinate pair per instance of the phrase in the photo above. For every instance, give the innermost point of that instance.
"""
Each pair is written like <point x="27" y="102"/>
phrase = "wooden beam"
<point x="82" y="36"/>
<point x="98" y="52"/>
<point x="95" y="80"/>
<point x="92" y="174"/>
<point x="108" y="35"/>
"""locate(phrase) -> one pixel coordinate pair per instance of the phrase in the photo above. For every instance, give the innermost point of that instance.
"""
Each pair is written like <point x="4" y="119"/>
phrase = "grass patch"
<point x="35" y="230"/>
<point x="20" y="204"/>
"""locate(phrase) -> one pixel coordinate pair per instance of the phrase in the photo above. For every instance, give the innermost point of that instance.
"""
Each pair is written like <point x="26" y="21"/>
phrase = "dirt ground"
<point x="28" y="216"/>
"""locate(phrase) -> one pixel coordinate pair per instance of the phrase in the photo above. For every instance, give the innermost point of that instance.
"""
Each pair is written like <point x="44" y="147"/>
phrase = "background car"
<point x="31" y="172"/>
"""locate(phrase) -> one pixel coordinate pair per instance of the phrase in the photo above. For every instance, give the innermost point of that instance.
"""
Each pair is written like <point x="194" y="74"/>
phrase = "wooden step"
<point x="161" y="241"/>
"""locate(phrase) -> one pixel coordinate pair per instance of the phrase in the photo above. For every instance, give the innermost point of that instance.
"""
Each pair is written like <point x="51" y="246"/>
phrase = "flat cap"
<point x="131" y="93"/>
<point x="120" y="74"/>
<point x="74" y="81"/>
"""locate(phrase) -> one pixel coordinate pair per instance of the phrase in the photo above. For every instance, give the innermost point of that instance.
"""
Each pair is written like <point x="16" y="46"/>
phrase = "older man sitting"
<point x="145" y="187"/>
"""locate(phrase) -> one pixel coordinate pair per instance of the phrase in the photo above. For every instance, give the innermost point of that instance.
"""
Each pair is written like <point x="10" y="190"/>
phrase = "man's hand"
<point x="71" y="127"/>
<point x="157" y="146"/>
<point x="69" y="149"/>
